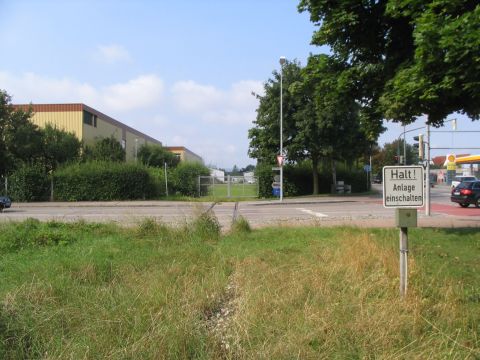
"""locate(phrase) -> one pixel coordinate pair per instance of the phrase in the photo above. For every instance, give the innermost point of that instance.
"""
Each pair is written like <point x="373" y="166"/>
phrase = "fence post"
<point x="229" y="179"/>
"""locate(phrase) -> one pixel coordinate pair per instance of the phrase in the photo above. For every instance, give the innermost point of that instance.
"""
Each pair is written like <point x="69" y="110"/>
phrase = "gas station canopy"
<point x="471" y="159"/>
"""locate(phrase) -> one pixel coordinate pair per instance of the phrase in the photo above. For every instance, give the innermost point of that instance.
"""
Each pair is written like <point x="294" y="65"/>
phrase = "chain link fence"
<point x="228" y="186"/>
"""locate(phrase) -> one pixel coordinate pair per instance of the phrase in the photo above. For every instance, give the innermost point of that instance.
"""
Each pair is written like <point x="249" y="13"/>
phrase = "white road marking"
<point x="310" y="212"/>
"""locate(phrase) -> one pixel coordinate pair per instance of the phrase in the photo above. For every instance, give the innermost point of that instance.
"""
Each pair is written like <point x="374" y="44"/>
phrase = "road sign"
<point x="366" y="168"/>
<point x="403" y="187"/>
<point x="280" y="159"/>
<point x="451" y="166"/>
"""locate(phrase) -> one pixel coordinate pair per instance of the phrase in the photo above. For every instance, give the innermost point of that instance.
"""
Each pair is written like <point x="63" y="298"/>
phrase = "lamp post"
<point x="136" y="149"/>
<point x="282" y="61"/>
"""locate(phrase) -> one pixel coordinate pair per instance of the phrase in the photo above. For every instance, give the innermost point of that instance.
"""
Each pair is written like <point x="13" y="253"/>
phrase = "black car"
<point x="5" y="202"/>
<point x="467" y="193"/>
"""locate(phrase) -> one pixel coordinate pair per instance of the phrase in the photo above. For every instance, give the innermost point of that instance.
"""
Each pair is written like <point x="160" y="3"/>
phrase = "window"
<point x="89" y="119"/>
<point x="124" y="144"/>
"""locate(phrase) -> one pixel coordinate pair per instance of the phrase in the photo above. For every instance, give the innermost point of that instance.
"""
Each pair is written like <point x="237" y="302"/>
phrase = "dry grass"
<point x="340" y="302"/>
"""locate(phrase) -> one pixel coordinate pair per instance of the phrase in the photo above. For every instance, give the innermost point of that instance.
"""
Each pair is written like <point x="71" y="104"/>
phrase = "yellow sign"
<point x="451" y="166"/>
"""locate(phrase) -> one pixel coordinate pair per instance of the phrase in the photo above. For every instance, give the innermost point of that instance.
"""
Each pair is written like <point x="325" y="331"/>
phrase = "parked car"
<point x="458" y="179"/>
<point x="466" y="193"/>
<point x="5" y="202"/>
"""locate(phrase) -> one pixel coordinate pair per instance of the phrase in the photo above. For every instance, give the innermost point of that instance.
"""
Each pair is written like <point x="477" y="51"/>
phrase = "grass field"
<point x="236" y="190"/>
<point x="74" y="291"/>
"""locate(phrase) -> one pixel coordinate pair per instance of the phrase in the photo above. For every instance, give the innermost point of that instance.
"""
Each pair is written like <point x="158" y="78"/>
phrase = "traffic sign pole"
<point x="403" y="261"/>
<point x="404" y="190"/>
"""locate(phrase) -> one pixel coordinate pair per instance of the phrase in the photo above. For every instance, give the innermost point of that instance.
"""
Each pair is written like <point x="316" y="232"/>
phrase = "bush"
<point x="298" y="179"/>
<point x="184" y="178"/>
<point x="94" y="181"/>
<point x="29" y="183"/>
<point x="157" y="182"/>
<point x="240" y="226"/>
<point x="264" y="174"/>
<point x="206" y="226"/>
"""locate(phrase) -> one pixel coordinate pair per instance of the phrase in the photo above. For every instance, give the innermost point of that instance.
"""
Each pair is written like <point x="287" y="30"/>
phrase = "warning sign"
<point x="403" y="186"/>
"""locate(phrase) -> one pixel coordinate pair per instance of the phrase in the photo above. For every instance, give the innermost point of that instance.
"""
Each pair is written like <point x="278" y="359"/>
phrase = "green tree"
<point x="387" y="155"/>
<point x="265" y="135"/>
<point x="157" y="156"/>
<point x="59" y="147"/>
<point x="104" y="149"/>
<point x="321" y="118"/>
<point x="20" y="138"/>
<point x="405" y="57"/>
<point x="327" y="120"/>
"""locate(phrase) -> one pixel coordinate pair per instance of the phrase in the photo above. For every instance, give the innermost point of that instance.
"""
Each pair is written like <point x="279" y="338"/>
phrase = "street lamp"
<point x="136" y="148"/>
<point x="282" y="62"/>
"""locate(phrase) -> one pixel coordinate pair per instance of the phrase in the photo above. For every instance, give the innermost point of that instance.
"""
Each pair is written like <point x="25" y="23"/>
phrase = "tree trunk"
<point x="315" y="175"/>
<point x="334" y="176"/>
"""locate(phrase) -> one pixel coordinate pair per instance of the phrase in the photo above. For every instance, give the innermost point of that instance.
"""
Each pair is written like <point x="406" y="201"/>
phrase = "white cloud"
<point x="211" y="105"/>
<point x="111" y="54"/>
<point x="30" y="87"/>
<point x="139" y="93"/>
<point x="190" y="97"/>
<point x="210" y="121"/>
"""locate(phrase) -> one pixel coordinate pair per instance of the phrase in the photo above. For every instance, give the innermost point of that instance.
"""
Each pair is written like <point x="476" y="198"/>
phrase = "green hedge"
<point x="93" y="181"/>
<point x="29" y="183"/>
<point x="184" y="178"/>
<point x="297" y="179"/>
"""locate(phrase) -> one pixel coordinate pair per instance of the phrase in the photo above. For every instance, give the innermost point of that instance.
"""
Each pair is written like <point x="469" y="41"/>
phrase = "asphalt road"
<point x="366" y="210"/>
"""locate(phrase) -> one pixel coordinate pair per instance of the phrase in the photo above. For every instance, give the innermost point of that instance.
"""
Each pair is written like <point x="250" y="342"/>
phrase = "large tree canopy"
<point x="20" y="139"/>
<point x="406" y="57"/>
<point x="59" y="147"/>
<point x="24" y="143"/>
<point x="321" y="119"/>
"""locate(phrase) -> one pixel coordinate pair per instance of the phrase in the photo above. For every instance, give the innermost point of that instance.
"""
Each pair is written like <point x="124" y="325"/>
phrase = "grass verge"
<point x="100" y="291"/>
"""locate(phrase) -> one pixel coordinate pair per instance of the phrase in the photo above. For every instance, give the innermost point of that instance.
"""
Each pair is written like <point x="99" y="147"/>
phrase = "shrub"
<point x="264" y="174"/>
<point x="297" y="179"/>
<point x="241" y="226"/>
<point x="206" y="226"/>
<point x="29" y="183"/>
<point x="157" y="182"/>
<point x="93" y="181"/>
<point x="184" y="178"/>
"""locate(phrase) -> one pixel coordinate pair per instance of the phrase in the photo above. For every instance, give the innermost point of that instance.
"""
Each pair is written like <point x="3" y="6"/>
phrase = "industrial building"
<point x="184" y="154"/>
<point x="90" y="125"/>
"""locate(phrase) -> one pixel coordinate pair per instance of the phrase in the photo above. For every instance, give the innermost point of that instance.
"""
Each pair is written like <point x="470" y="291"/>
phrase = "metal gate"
<point x="228" y="186"/>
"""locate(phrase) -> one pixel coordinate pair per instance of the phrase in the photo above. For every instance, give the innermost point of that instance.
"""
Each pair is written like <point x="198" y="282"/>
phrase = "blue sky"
<point x="180" y="71"/>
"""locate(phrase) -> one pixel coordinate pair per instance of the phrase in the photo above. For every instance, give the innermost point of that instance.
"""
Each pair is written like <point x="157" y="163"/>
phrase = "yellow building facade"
<point x="88" y="125"/>
<point x="184" y="154"/>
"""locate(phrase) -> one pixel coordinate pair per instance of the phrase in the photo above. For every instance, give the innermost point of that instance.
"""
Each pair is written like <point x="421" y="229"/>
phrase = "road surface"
<point x="364" y="211"/>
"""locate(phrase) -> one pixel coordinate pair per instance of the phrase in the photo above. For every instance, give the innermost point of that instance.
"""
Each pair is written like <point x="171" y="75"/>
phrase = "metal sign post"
<point x="403" y="190"/>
